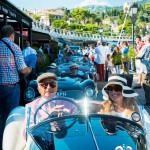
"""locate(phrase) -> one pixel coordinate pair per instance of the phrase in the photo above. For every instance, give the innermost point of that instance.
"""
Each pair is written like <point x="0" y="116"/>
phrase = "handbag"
<point x="22" y="78"/>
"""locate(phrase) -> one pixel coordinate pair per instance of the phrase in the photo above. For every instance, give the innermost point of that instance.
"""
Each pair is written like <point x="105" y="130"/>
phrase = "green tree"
<point x="36" y="17"/>
<point x="103" y="15"/>
<point x="92" y="28"/>
<point x="127" y="27"/>
<point x="98" y="20"/>
<point x="59" y="24"/>
<point x="147" y="7"/>
<point x="92" y="18"/>
<point x="50" y="17"/>
<point x="80" y="14"/>
<point x="67" y="15"/>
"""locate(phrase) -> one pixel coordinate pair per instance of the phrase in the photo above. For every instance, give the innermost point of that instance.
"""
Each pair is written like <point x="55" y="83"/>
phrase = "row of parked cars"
<point x="66" y="82"/>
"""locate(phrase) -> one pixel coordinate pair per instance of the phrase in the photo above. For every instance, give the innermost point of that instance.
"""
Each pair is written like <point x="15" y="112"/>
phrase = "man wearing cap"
<point x="76" y="73"/>
<point x="74" y="69"/>
<point x="52" y="68"/>
<point x="47" y="87"/>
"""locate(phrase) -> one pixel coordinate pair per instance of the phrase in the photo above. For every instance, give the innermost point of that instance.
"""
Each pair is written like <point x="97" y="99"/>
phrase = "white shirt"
<point x="28" y="51"/>
<point x="107" y="50"/>
<point x="144" y="65"/>
<point x="100" y="55"/>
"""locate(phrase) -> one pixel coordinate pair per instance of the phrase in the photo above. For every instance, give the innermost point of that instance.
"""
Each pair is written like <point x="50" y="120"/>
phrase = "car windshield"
<point x="94" y="131"/>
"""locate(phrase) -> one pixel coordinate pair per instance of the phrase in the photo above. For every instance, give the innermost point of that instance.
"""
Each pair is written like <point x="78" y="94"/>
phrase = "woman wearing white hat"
<point x="119" y="98"/>
<point x="120" y="101"/>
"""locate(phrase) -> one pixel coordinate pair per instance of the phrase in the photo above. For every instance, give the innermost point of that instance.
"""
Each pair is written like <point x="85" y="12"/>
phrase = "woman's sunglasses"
<point x="116" y="88"/>
<point x="52" y="84"/>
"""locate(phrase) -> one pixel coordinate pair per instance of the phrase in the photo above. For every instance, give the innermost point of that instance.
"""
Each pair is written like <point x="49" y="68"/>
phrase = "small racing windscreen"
<point x="79" y="132"/>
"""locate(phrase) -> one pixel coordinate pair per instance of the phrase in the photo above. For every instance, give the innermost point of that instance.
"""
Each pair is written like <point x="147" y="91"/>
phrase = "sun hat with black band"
<point x="45" y="76"/>
<point x="126" y="90"/>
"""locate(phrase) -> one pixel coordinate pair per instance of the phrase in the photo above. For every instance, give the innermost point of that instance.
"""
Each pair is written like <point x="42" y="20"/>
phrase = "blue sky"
<point x="48" y="4"/>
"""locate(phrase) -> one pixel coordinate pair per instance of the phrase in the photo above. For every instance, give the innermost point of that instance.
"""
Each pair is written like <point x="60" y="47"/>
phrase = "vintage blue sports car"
<point x="88" y="86"/>
<point x="82" y="128"/>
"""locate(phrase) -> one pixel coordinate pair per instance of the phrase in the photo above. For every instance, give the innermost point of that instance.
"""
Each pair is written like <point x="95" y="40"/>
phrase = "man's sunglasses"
<point x="52" y="84"/>
<point x="74" y="68"/>
<point x="116" y="88"/>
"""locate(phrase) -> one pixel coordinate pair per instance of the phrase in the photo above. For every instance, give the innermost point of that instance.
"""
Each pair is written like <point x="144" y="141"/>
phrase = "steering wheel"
<point x="54" y="99"/>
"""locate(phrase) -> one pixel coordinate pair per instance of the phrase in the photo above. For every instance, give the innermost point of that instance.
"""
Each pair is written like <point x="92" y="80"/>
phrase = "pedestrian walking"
<point x="125" y="51"/>
<point x="117" y="59"/>
<point x="99" y="59"/>
<point x="107" y="49"/>
<point x="140" y="44"/>
<point x="108" y="66"/>
<point x="11" y="63"/>
<point x="144" y="55"/>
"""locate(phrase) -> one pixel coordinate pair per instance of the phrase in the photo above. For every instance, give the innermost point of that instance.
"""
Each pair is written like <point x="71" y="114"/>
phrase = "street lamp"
<point x="132" y="13"/>
<point x="101" y="31"/>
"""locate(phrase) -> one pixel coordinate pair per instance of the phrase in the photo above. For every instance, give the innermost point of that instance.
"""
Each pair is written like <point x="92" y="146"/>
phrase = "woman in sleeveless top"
<point x="119" y="98"/>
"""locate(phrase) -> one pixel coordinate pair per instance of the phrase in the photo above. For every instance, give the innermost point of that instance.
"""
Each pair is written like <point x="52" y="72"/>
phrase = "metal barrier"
<point x="67" y="34"/>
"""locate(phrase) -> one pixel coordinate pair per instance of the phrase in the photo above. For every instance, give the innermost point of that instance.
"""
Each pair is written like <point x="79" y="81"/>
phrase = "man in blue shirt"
<point x="30" y="57"/>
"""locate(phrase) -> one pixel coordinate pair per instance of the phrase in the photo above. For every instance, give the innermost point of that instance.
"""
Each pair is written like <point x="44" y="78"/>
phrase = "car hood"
<point x="66" y="81"/>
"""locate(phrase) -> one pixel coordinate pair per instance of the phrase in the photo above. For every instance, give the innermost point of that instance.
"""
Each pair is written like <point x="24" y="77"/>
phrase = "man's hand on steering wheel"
<point x="60" y="110"/>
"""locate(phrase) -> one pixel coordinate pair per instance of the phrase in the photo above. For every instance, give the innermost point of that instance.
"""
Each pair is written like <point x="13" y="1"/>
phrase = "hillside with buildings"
<point x="89" y="19"/>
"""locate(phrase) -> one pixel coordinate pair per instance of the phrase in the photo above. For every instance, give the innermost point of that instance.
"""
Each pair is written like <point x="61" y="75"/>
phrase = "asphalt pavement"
<point x="140" y="98"/>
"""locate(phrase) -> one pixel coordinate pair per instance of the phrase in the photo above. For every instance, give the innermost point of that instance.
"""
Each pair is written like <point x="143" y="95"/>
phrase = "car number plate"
<point x="61" y="94"/>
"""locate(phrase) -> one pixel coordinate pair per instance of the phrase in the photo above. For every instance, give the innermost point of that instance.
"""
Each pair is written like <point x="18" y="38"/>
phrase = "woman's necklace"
<point x="118" y="108"/>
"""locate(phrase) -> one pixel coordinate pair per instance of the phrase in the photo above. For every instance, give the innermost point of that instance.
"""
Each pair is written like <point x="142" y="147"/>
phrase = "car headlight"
<point x="90" y="92"/>
<point x="29" y="94"/>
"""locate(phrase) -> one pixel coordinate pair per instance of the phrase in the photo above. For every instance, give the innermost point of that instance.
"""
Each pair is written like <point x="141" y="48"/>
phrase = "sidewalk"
<point x="140" y="98"/>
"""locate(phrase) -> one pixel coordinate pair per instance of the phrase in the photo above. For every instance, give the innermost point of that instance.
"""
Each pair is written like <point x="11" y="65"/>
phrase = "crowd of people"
<point x="119" y="99"/>
<point x="118" y="60"/>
